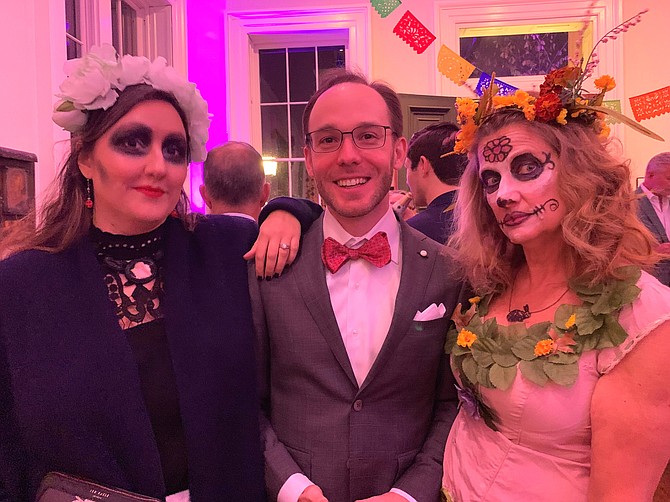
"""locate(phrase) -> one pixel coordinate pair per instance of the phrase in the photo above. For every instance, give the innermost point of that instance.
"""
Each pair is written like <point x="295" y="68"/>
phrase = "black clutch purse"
<point x="59" y="487"/>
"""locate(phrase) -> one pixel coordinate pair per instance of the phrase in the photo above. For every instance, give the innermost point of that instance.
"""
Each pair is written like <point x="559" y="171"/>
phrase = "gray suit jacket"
<point x="355" y="442"/>
<point x="648" y="216"/>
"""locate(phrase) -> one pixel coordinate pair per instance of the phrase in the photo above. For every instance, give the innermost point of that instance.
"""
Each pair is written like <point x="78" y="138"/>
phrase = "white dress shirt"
<point x="661" y="207"/>
<point x="363" y="299"/>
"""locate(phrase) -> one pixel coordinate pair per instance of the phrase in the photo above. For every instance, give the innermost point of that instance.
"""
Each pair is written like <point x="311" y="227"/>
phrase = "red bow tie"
<point x="376" y="250"/>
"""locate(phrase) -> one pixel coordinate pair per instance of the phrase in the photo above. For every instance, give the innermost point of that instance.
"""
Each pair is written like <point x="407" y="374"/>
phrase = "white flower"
<point x="133" y="71"/>
<point x="95" y="81"/>
<point x="70" y="121"/>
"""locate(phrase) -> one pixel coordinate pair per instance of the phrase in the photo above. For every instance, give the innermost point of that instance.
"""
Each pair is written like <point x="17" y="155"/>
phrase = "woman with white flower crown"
<point x="126" y="352"/>
<point x="562" y="357"/>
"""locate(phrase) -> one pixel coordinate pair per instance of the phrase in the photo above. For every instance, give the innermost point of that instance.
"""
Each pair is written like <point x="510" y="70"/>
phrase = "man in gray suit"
<point x="654" y="208"/>
<point x="358" y="397"/>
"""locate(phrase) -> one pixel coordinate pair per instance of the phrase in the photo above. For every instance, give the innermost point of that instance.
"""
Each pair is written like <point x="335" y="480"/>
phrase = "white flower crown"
<point x="95" y="81"/>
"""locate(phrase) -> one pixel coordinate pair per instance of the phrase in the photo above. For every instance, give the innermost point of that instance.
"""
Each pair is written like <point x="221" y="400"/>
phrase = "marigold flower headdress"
<point x="95" y="81"/>
<point x="562" y="98"/>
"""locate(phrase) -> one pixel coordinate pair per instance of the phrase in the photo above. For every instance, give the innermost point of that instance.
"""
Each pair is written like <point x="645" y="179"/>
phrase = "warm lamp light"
<point x="269" y="166"/>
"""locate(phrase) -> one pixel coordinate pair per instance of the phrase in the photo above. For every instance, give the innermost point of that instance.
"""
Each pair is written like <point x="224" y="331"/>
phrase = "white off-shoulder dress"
<point x="542" y="449"/>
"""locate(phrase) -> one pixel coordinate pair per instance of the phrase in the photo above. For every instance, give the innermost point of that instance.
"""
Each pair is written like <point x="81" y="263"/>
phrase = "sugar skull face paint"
<point x="517" y="169"/>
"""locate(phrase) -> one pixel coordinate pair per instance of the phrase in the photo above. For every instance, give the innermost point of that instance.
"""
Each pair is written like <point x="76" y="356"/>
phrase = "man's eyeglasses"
<point x="330" y="140"/>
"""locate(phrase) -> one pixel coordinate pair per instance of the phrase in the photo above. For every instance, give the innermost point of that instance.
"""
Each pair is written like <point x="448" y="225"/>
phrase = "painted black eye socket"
<point x="175" y="150"/>
<point x="132" y="141"/>
<point x="528" y="167"/>
<point x="490" y="181"/>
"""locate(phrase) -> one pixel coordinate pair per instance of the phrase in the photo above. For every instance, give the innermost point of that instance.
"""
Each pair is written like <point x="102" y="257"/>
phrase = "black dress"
<point x="134" y="278"/>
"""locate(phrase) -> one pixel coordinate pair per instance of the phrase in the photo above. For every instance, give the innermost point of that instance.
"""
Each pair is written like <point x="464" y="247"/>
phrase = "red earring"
<point x="89" y="202"/>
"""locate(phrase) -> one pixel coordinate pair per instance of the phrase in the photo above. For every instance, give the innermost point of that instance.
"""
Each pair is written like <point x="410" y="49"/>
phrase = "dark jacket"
<point x="70" y="397"/>
<point x="647" y="215"/>
<point x="436" y="220"/>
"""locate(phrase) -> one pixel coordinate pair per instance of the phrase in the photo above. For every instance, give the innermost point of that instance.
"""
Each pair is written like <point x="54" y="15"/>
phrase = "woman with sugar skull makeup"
<point x="562" y="357"/>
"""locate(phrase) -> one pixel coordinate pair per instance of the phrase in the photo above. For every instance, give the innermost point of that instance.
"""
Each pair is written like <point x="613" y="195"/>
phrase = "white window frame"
<point x="96" y="27"/>
<point x="452" y="15"/>
<point x="246" y="32"/>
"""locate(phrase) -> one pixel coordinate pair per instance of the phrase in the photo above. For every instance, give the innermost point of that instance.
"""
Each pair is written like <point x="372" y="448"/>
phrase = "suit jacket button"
<point x="358" y="405"/>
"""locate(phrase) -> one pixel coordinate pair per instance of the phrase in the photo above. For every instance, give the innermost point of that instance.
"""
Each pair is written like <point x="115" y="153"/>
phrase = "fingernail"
<point x="276" y="275"/>
<point x="268" y="278"/>
<point x="259" y="277"/>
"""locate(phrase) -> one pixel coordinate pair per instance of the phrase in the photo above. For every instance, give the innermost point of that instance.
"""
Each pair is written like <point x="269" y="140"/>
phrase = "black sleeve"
<point x="305" y="211"/>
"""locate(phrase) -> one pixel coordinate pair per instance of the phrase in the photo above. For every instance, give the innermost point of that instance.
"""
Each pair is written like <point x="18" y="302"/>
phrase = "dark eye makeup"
<point x="527" y="167"/>
<point x="136" y="141"/>
<point x="490" y="180"/>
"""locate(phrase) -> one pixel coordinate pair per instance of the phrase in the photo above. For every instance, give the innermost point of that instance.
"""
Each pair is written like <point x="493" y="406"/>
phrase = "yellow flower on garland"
<point x="475" y="300"/>
<point x="571" y="321"/>
<point x="605" y="83"/>
<point x="561" y="117"/>
<point x="466" y="338"/>
<point x="543" y="347"/>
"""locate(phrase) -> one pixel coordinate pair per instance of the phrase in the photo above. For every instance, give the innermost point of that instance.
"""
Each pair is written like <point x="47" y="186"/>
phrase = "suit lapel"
<point x="416" y="271"/>
<point x="310" y="276"/>
<point x="650" y="213"/>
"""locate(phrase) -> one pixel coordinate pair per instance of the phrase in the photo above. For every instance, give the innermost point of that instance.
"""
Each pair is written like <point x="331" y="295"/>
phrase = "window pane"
<point x="115" y="26"/>
<point x="129" y="29"/>
<point x="272" y="63"/>
<point x="302" y="185"/>
<point x="274" y="124"/>
<point x="73" y="29"/>
<point x="302" y="73"/>
<point x="279" y="183"/>
<point x="297" y="136"/>
<point x="514" y="55"/>
<point x="331" y="57"/>
<point x="72" y="18"/>
<point x="73" y="49"/>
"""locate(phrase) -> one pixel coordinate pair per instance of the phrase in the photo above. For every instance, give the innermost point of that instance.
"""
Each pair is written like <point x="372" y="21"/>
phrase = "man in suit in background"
<point x="358" y="397"/>
<point x="654" y="208"/>
<point x="433" y="178"/>
<point x="234" y="181"/>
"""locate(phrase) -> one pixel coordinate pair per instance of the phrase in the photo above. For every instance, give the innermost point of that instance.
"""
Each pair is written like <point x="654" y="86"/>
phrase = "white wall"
<point x="646" y="69"/>
<point x="31" y="54"/>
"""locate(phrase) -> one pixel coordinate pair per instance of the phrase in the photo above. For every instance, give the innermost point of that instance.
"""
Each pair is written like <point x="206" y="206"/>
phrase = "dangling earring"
<point x="89" y="202"/>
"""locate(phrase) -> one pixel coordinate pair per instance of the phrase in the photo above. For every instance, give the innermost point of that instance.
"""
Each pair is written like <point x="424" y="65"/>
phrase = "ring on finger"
<point x="284" y="246"/>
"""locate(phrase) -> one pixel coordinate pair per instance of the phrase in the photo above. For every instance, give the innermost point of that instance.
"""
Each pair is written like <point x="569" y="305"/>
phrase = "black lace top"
<point x="134" y="278"/>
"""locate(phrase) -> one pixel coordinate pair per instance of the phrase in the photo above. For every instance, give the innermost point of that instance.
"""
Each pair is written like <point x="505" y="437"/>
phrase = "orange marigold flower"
<point x="547" y="107"/>
<point x="561" y="117"/>
<point x="571" y="321"/>
<point x="543" y="347"/>
<point x="475" y="300"/>
<point x="605" y="83"/>
<point x="466" y="108"/>
<point x="502" y="101"/>
<point x="529" y="111"/>
<point x="466" y="338"/>
<point x="604" y="131"/>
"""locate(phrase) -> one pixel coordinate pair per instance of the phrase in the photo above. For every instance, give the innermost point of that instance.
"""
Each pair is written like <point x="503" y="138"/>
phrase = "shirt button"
<point x="358" y="405"/>
<point x="354" y="332"/>
<point x="357" y="285"/>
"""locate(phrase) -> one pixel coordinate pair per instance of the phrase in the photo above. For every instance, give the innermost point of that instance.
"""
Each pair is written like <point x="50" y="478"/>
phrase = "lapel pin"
<point x="423" y="253"/>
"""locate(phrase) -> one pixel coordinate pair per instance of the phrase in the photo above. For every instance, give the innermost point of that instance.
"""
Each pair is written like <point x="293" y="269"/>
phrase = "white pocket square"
<point x="432" y="312"/>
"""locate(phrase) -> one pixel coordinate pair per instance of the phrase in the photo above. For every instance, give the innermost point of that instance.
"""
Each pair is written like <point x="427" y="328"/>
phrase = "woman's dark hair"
<point x="64" y="218"/>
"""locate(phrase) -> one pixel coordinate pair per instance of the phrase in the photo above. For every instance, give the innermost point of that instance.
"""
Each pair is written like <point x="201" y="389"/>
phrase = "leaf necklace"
<point x="520" y="315"/>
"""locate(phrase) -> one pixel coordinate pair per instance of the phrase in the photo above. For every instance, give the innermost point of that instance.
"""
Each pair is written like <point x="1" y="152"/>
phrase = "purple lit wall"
<point x="207" y="68"/>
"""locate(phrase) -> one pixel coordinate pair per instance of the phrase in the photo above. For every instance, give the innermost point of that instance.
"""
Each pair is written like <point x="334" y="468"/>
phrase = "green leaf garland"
<point x="488" y="354"/>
